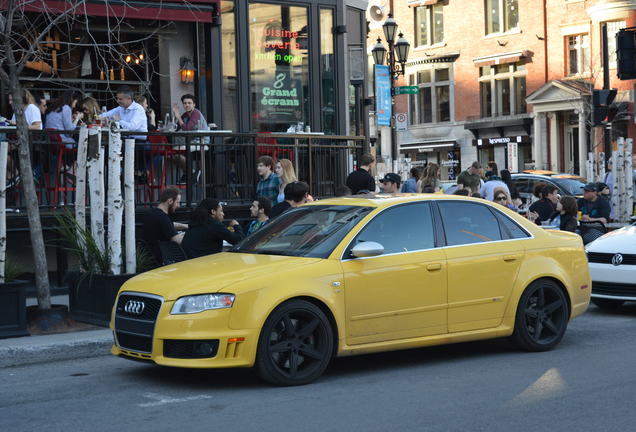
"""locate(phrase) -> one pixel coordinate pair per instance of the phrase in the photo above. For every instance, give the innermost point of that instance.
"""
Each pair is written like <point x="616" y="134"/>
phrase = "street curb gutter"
<point x="50" y="348"/>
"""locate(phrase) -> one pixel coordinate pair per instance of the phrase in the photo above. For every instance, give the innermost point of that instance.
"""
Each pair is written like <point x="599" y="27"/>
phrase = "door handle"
<point x="510" y="258"/>
<point x="434" y="267"/>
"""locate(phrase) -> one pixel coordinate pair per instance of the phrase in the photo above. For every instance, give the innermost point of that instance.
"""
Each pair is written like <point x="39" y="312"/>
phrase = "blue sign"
<point x="383" y="95"/>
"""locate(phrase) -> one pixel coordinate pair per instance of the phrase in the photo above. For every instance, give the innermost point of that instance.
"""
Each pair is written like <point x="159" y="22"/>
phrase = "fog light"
<point x="205" y="349"/>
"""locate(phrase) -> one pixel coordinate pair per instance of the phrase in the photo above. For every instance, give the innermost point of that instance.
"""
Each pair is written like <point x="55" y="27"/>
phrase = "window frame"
<point x="611" y="40"/>
<point x="503" y="17"/>
<point x="429" y="17"/>
<point x="413" y="100"/>
<point x="513" y="76"/>
<point x="580" y="46"/>
<point x="346" y="253"/>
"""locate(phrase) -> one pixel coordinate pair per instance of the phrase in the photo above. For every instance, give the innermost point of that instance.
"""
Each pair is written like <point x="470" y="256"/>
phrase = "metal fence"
<point x="210" y="164"/>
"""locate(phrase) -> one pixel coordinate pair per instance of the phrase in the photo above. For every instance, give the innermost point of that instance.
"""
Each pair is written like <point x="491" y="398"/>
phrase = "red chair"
<point x="59" y="186"/>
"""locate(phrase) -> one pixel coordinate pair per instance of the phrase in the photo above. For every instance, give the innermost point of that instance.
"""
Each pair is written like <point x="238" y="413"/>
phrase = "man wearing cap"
<point x="391" y="182"/>
<point x="593" y="208"/>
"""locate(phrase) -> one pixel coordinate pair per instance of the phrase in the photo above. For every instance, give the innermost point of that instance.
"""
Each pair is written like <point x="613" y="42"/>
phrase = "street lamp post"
<point x="397" y="54"/>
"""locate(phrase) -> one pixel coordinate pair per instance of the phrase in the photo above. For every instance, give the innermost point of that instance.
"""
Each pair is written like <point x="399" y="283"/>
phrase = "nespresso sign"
<point x="501" y="141"/>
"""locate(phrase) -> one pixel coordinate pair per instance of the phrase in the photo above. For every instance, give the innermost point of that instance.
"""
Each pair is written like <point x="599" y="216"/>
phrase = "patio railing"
<point x="210" y="164"/>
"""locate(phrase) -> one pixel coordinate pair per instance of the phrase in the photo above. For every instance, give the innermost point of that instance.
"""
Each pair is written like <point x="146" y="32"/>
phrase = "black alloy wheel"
<point x="542" y="316"/>
<point x="295" y="345"/>
<point x="608" y="304"/>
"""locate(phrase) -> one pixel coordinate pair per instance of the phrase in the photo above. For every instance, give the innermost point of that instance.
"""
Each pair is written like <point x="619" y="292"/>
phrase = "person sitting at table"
<point x="150" y="113"/>
<point x="90" y="109"/>
<point x="60" y="116"/>
<point x="130" y="115"/>
<point x="206" y="232"/>
<point x="191" y="120"/>
<point x="32" y="113"/>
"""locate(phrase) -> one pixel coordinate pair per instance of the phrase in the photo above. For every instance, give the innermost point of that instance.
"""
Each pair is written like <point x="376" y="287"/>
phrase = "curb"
<point x="57" y="347"/>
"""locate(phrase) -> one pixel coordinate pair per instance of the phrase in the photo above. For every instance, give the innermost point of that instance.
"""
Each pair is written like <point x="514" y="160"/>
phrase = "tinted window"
<point x="522" y="185"/>
<point x="401" y="229"/>
<point x="466" y="223"/>
<point x="509" y="229"/>
<point x="571" y="186"/>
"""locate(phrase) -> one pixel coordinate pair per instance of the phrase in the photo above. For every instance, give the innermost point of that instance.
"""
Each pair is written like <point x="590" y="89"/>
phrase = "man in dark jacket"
<point x="360" y="179"/>
<point x="296" y="194"/>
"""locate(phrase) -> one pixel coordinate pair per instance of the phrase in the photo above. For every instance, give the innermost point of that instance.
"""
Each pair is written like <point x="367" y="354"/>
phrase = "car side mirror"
<point x="367" y="249"/>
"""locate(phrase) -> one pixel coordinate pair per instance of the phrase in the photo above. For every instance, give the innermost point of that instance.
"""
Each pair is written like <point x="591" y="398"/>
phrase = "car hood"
<point x="212" y="273"/>
<point x="622" y="240"/>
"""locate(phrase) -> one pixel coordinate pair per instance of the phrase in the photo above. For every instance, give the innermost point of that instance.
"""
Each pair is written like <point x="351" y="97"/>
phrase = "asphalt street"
<point x="588" y="383"/>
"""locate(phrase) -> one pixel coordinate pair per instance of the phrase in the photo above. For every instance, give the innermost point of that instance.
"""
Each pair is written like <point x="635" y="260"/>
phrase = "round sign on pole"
<point x="401" y="121"/>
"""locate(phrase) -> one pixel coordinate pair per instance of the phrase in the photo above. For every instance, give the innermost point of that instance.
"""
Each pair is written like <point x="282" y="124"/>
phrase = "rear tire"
<point x="542" y="316"/>
<point x="295" y="345"/>
<point x="607" y="304"/>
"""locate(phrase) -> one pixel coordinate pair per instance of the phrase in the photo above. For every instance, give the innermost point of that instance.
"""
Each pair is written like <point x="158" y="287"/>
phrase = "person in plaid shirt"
<point x="269" y="183"/>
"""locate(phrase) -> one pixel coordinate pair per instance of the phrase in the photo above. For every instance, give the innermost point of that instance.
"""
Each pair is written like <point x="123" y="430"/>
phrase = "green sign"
<point x="407" y="90"/>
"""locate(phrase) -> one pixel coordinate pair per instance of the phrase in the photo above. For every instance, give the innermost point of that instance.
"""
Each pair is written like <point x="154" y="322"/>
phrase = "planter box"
<point x="13" y="321"/>
<point x="91" y="297"/>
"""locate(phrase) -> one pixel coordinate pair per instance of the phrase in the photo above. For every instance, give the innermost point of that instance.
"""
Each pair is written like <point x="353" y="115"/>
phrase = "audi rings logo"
<point x="134" y="307"/>
<point x="617" y="259"/>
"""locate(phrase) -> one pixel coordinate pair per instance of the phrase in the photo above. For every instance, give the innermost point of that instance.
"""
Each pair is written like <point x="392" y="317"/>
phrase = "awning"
<point x="429" y="145"/>
<point x="163" y="10"/>
<point x="415" y="3"/>
<point x="439" y="58"/>
<point x="511" y="57"/>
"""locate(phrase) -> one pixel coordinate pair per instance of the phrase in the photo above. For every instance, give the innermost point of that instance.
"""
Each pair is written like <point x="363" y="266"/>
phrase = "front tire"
<point x="295" y="345"/>
<point x="607" y="304"/>
<point x="542" y="317"/>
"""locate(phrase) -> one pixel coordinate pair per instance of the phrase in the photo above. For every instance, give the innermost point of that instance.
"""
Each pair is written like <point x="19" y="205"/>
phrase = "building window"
<point x="612" y="28"/>
<point x="501" y="15"/>
<point x="433" y="102"/>
<point x="578" y="54"/>
<point x="429" y="25"/>
<point x="502" y="89"/>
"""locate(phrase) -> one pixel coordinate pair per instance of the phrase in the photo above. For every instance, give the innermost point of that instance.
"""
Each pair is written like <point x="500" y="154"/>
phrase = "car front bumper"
<point x="613" y="282"/>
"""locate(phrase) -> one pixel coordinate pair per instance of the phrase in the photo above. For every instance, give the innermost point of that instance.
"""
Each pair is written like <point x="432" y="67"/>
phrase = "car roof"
<point x="387" y="200"/>
<point x="555" y="176"/>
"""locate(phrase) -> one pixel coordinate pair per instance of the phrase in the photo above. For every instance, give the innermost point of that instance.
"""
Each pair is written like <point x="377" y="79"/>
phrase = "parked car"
<point x="566" y="184"/>
<point x="612" y="261"/>
<point x="349" y="276"/>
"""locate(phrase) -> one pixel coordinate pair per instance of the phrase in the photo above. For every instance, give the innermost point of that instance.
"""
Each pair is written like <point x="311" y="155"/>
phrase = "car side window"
<point x="521" y="184"/>
<point x="509" y="229"/>
<point x="403" y="228"/>
<point x="468" y="223"/>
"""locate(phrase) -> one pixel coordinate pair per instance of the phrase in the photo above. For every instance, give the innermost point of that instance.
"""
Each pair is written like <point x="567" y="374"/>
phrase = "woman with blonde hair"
<point x="90" y="108"/>
<point x="285" y="172"/>
<point x="430" y="177"/>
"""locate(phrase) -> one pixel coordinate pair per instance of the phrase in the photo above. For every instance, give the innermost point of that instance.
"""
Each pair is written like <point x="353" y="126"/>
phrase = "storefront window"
<point x="230" y="95"/>
<point x="327" y="71"/>
<point x="279" y="66"/>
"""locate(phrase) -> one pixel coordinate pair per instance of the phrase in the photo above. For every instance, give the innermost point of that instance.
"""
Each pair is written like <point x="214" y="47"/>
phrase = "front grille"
<point x="606" y="258"/>
<point x="615" y="289"/>
<point x="151" y="309"/>
<point x="134" y="342"/>
<point x="190" y="349"/>
<point x="135" y="332"/>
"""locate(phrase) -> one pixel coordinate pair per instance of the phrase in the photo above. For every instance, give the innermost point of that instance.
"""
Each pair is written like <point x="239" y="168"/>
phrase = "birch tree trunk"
<point x="80" y="176"/>
<point x="616" y="187"/>
<point x="629" y="177"/>
<point x="95" y="186"/>
<point x="619" y="178"/>
<point x="4" y="148"/>
<point x="129" y="190"/>
<point x="115" y="203"/>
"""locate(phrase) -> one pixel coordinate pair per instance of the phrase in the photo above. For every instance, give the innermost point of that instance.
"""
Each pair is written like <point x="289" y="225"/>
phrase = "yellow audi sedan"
<point x="349" y="276"/>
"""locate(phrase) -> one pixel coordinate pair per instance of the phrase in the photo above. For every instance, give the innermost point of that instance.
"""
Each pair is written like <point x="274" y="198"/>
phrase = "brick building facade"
<point x="506" y="80"/>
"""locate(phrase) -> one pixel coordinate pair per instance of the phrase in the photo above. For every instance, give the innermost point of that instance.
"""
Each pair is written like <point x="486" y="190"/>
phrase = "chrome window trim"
<point x="342" y="257"/>
<point x="140" y="294"/>
<point x="530" y="235"/>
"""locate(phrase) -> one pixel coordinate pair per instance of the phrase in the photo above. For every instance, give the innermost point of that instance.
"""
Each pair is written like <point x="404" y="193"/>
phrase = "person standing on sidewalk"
<point x="470" y="177"/>
<point x="361" y="179"/>
<point x="296" y="193"/>
<point x="260" y="211"/>
<point x="269" y="182"/>
<point x="410" y="185"/>
<point x="157" y="224"/>
<point x="391" y="182"/>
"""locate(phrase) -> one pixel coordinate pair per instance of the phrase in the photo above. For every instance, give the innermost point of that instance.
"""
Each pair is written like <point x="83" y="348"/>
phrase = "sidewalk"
<point x="54" y="347"/>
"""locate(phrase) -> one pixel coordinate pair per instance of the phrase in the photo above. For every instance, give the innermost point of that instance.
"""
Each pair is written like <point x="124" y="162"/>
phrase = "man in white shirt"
<point x="130" y="115"/>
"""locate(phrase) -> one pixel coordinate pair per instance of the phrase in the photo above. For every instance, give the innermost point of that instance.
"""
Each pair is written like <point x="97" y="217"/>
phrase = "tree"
<point x="24" y="28"/>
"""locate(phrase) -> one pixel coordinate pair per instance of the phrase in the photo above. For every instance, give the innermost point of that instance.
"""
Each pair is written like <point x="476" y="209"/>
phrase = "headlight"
<point x="203" y="302"/>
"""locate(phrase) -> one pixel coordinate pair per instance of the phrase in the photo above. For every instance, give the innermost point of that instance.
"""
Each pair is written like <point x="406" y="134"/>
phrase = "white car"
<point x="612" y="262"/>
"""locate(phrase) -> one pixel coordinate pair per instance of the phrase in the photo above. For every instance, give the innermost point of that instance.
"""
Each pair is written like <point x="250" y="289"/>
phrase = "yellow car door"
<point x="402" y="292"/>
<point x="484" y="252"/>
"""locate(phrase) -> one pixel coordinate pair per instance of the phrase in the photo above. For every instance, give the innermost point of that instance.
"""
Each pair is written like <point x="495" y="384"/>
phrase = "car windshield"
<point x="571" y="186"/>
<point x="308" y="231"/>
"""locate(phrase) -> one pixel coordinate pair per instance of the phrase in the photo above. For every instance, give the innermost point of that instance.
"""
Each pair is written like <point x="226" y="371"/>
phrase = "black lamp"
<point x="402" y="49"/>
<point x="390" y="29"/>
<point x="186" y="70"/>
<point x="378" y="52"/>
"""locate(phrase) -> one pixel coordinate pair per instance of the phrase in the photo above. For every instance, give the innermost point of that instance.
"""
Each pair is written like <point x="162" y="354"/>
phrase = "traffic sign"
<point x="407" y="90"/>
